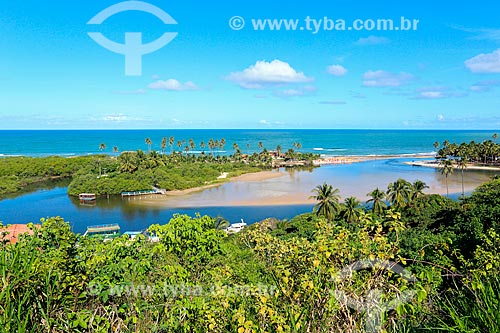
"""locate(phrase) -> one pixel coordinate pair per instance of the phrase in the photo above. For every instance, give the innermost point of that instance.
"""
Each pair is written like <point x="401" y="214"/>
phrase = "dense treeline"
<point x="275" y="276"/>
<point x="135" y="171"/>
<point x="485" y="153"/>
<point x="18" y="172"/>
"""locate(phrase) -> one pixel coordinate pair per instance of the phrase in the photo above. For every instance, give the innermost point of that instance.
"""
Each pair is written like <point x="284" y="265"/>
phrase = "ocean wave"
<point x="330" y="149"/>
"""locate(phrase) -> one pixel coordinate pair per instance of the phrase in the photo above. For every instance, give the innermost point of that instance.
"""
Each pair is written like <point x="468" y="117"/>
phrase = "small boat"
<point x="236" y="227"/>
<point x="132" y="234"/>
<point x="87" y="197"/>
<point x="106" y="232"/>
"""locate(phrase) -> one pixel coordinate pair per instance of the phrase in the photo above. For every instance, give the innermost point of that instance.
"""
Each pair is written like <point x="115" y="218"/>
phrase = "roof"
<point x="101" y="228"/>
<point x="14" y="231"/>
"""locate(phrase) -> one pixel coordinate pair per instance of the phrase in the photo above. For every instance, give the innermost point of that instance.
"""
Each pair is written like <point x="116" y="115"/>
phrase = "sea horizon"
<point x="327" y="142"/>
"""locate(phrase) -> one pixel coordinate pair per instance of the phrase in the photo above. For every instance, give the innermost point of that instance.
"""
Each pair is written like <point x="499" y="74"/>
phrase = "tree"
<point x="436" y="145"/>
<point x="377" y="200"/>
<point x="328" y="201"/>
<point x="398" y="193"/>
<point x="261" y="145"/>
<point x="128" y="162"/>
<point x="102" y="147"/>
<point x="163" y="144"/>
<point x="446" y="170"/>
<point x="149" y="143"/>
<point x="115" y="150"/>
<point x="278" y="150"/>
<point x="417" y="189"/>
<point x="495" y="136"/>
<point x="235" y="146"/>
<point x="462" y="164"/>
<point x="351" y="212"/>
<point x="171" y="141"/>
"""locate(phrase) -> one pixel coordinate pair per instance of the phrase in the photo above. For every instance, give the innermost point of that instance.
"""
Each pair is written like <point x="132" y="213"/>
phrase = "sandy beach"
<point x="435" y="164"/>
<point x="247" y="177"/>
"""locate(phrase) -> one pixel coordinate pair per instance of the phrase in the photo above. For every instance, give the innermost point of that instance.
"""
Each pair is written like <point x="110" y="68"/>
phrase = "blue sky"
<point x="445" y="75"/>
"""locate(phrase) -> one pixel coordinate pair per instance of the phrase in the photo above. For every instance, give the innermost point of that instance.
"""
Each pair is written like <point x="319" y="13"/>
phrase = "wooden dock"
<point x="146" y="192"/>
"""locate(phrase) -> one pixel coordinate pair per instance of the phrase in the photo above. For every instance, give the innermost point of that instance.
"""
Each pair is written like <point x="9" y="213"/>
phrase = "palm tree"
<point x="222" y="143"/>
<point x="149" y="143"/>
<point x="417" y="189"/>
<point x="171" y="141"/>
<point x="436" y="145"/>
<point x="102" y="147"/>
<point x="235" y="146"/>
<point x="192" y="145"/>
<point x="278" y="150"/>
<point x="261" y="145"/>
<point x="462" y="164"/>
<point x="446" y="170"/>
<point x="399" y="193"/>
<point x="115" y="150"/>
<point x="202" y="145"/>
<point x="163" y="144"/>
<point x="495" y="136"/>
<point x="352" y="212"/>
<point x="221" y="223"/>
<point x="377" y="198"/>
<point x="128" y="162"/>
<point x="328" y="201"/>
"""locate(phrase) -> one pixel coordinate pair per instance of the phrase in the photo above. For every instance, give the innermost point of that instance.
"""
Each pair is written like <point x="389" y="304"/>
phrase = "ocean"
<point x="326" y="142"/>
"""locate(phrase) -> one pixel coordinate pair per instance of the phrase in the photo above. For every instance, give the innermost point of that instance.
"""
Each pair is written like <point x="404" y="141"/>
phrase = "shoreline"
<point x="348" y="159"/>
<point x="433" y="164"/>
<point x="246" y="177"/>
<point x="277" y="196"/>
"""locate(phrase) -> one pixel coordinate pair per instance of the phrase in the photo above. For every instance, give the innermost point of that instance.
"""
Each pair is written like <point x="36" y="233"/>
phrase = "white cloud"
<point x="333" y="102"/>
<point x="386" y="79"/>
<point x="372" y="40"/>
<point x="440" y="117"/>
<point x="439" y="92"/>
<point x="172" y="85"/>
<point x="483" y="86"/>
<point x="267" y="73"/>
<point x="118" y="118"/>
<point x="484" y="63"/>
<point x="263" y="122"/>
<point x="336" y="70"/>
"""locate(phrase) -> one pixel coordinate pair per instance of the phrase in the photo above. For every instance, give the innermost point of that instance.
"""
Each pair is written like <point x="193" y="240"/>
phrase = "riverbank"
<point x="435" y="164"/>
<point x="293" y="187"/>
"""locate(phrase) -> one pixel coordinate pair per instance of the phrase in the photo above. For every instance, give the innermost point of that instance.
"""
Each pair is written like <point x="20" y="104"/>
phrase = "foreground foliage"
<point x="275" y="276"/>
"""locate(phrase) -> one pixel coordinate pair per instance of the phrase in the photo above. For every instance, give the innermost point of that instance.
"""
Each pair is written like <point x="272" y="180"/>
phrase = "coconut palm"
<point x="446" y="170"/>
<point x="328" y="201"/>
<point x="222" y="143"/>
<point x="278" y="150"/>
<point x="115" y="150"/>
<point x="351" y="211"/>
<point x="171" y="141"/>
<point x="398" y="193"/>
<point x="462" y="164"/>
<point x="378" y="201"/>
<point x="235" y="146"/>
<point x="261" y="145"/>
<point x="149" y="143"/>
<point x="417" y="189"/>
<point x="163" y="145"/>
<point x="128" y="162"/>
<point x="221" y="223"/>
<point x="102" y="147"/>
<point x="436" y="145"/>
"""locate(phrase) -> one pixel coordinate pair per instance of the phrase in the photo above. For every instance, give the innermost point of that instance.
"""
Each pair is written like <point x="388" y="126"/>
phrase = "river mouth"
<point x="251" y="201"/>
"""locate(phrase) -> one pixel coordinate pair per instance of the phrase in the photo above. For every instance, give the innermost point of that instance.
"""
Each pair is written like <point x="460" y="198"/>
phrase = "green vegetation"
<point x="275" y="276"/>
<point x="18" y="172"/>
<point x="137" y="171"/>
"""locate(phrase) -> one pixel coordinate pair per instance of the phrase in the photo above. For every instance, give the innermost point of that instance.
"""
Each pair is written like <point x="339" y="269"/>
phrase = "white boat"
<point x="236" y="227"/>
